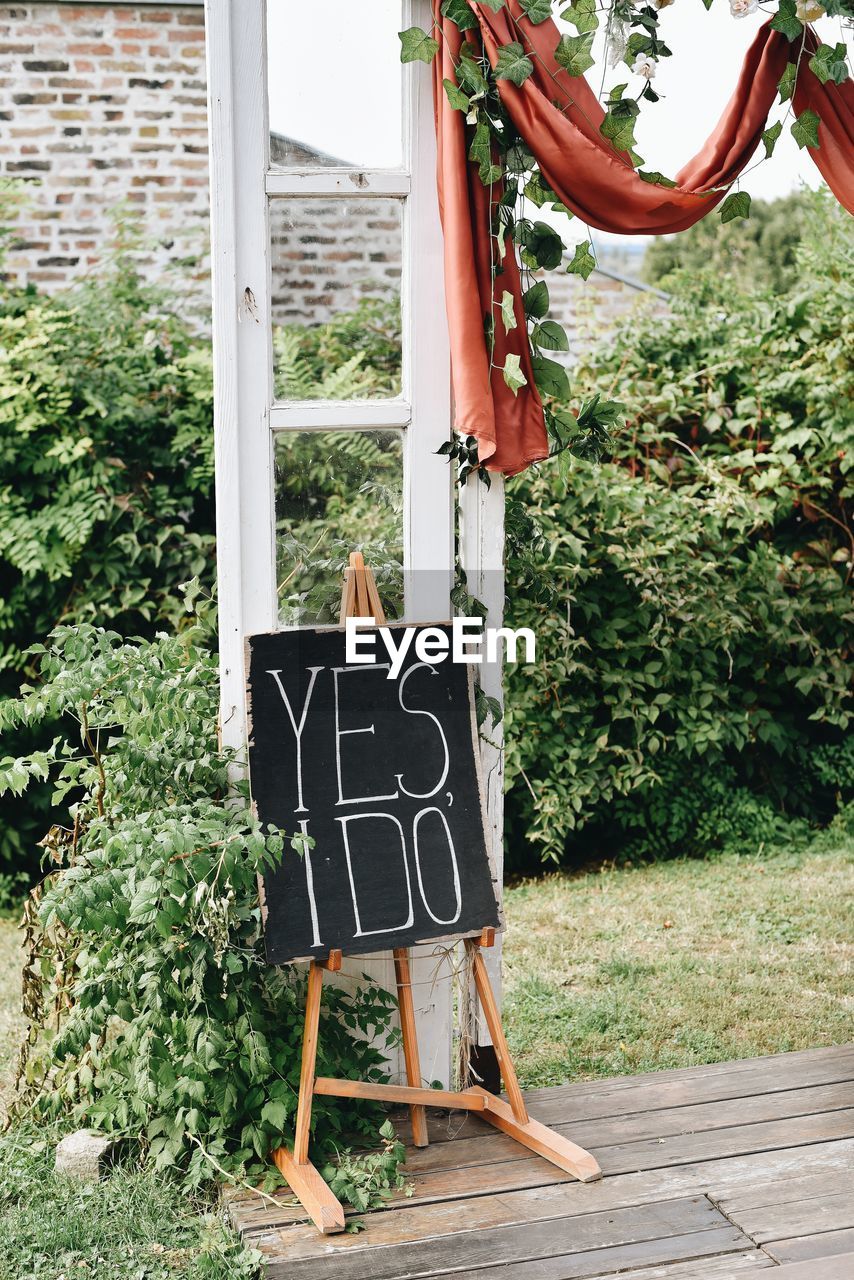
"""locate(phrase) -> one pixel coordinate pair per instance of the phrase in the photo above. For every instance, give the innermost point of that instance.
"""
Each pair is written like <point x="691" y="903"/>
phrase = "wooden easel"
<point x="360" y="598"/>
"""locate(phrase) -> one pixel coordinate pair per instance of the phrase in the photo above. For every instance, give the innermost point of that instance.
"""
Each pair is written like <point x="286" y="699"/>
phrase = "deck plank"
<point x="726" y="1267"/>
<point x="807" y="1186"/>
<point x="840" y="1267"/>
<point x="354" y="1256"/>
<point x="771" y="1222"/>
<point x="657" y="1090"/>
<point x="826" y="1244"/>
<point x="706" y="1245"/>
<point x="641" y="1126"/>
<point x="445" y="1217"/>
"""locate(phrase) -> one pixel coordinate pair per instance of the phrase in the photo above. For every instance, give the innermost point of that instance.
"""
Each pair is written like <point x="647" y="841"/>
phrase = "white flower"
<point x="616" y="42"/>
<point x="644" y="66"/>
<point x="809" y="10"/>
<point x="743" y="8"/>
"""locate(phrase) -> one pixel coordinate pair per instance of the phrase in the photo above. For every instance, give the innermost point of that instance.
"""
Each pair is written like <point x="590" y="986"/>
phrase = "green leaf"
<point x="508" y="315"/>
<point x="786" y="85"/>
<point x="582" y="15"/>
<point x="417" y="46"/>
<point x="583" y="260"/>
<point x="513" y="375"/>
<point x="513" y="63"/>
<point x="736" y="205"/>
<point x="786" y="20"/>
<point x="494" y="5"/>
<point x="805" y="129"/>
<point x="460" y="14"/>
<point x="536" y="300"/>
<point x="770" y="136"/>
<point x="619" y="125"/>
<point x="550" y="335"/>
<point x="469" y="74"/>
<point x="828" y="63"/>
<point x="481" y="152"/>
<point x="551" y="378"/>
<point x="536" y="10"/>
<point x="542" y="245"/>
<point x="459" y="101"/>
<point x="653" y="175"/>
<point x="274" y="1114"/>
<point x="573" y="53"/>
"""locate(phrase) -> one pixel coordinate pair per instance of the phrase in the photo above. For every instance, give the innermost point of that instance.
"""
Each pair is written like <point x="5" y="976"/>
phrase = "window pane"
<point x="337" y="492"/>
<point x="336" y="298"/>
<point x="334" y="83"/>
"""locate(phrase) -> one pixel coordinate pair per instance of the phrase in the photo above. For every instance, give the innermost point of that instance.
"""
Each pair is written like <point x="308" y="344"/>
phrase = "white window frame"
<point x="247" y="418"/>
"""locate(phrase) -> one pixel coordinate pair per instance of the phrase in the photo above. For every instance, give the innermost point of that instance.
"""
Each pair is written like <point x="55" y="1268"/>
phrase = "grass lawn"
<point x="606" y="974"/>
<point x="679" y="963"/>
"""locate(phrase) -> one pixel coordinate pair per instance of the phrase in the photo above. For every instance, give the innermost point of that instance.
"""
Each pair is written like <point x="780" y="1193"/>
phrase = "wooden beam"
<point x="468" y="1100"/>
<point x="312" y="1192"/>
<point x="536" y="1137"/>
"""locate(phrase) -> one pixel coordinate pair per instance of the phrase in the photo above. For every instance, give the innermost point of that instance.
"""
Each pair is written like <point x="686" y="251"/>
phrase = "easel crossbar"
<point x="466" y="1100"/>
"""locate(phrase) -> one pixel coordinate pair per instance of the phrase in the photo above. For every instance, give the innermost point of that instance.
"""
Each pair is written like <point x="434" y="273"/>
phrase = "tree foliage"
<point x="692" y="594"/>
<point x="755" y="254"/>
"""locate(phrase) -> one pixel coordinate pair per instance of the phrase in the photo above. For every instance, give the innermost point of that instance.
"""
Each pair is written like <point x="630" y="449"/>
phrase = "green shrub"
<point x="145" y="943"/>
<point x="106" y="477"/>
<point x="692" y="595"/>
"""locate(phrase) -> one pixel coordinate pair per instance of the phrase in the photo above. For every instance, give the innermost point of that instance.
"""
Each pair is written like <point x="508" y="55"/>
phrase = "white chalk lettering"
<point x="457" y="891"/>
<point x="342" y="733"/>
<point x="410" y="917"/>
<point x="414" y="711"/>
<point x="297" y="728"/>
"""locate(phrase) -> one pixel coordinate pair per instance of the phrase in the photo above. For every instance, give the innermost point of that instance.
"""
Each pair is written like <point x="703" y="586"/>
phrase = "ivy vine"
<point x="507" y="167"/>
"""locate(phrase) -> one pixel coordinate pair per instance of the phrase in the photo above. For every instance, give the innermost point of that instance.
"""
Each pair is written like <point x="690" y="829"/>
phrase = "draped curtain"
<point x="558" y="116"/>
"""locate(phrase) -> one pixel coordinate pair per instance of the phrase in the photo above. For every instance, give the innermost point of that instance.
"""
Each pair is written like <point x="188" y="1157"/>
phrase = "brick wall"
<point x="103" y="104"/>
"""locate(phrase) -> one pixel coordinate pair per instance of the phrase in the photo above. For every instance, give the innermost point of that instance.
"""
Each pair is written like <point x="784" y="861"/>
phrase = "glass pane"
<point x="336" y="298"/>
<point x="334" y="83"/>
<point x="336" y="492"/>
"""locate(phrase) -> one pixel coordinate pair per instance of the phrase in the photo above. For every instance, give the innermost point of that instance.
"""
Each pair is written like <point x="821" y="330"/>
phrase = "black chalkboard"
<point x="383" y="774"/>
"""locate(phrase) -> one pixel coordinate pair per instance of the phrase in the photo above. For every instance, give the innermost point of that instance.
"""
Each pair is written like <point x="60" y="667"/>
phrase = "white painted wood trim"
<point x="330" y="415"/>
<point x="428" y="480"/>
<point x="482" y="557"/>
<point x="246" y="420"/>
<point x="361" y="183"/>
<point x="242" y="342"/>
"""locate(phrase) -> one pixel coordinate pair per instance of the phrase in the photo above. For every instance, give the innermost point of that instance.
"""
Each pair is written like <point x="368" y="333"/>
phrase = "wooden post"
<point x="410" y="1042"/>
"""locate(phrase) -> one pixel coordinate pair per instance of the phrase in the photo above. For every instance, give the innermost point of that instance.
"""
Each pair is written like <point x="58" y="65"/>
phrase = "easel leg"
<point x="302" y="1177"/>
<point x="493" y="1021"/>
<point x="309" y="1058"/>
<point x="514" y="1119"/>
<point x="410" y="1042"/>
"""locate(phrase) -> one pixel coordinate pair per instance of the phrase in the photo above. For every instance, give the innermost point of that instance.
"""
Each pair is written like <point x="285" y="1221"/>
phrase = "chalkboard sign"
<point x="383" y="775"/>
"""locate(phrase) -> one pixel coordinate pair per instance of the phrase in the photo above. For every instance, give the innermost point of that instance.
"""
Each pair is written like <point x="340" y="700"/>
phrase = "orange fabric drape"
<point x="596" y="183"/>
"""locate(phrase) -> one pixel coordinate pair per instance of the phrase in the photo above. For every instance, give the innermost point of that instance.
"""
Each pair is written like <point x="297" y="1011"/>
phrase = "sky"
<point x="339" y="90"/>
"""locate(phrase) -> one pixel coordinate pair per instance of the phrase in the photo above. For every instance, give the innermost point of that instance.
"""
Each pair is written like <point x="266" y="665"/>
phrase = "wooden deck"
<point x="714" y="1172"/>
